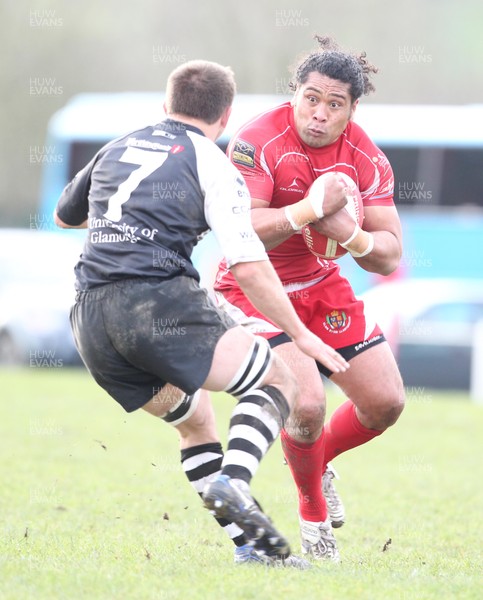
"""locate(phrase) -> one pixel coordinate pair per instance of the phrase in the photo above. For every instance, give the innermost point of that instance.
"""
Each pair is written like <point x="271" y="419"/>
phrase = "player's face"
<point x="322" y="108"/>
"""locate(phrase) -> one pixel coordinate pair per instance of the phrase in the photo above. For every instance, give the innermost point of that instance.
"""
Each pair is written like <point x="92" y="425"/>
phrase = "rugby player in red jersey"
<point x="280" y="153"/>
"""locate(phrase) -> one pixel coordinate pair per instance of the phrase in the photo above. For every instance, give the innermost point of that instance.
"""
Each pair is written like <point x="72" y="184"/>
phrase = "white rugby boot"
<point x="318" y="540"/>
<point x="335" y="508"/>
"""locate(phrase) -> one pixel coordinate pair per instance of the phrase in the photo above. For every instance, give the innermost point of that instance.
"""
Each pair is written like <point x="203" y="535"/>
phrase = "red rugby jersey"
<point x="279" y="167"/>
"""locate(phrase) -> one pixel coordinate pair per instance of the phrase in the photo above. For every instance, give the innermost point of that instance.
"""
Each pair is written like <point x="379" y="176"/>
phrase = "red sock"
<point x="344" y="431"/>
<point x="305" y="462"/>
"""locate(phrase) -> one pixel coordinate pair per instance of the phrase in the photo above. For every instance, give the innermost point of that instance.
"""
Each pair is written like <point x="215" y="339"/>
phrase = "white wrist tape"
<point x="289" y="217"/>
<point x="370" y="243"/>
<point x="352" y="237"/>
<point x="317" y="201"/>
<point x="370" y="248"/>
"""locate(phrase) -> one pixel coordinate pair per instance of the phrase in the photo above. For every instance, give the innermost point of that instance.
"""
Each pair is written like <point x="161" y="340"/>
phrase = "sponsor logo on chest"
<point x="294" y="185"/>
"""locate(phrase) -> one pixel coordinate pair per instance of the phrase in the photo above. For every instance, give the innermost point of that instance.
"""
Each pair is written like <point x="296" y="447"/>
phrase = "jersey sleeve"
<point x="227" y="205"/>
<point x="385" y="194"/>
<point x="250" y="159"/>
<point x="376" y="177"/>
<point x="73" y="205"/>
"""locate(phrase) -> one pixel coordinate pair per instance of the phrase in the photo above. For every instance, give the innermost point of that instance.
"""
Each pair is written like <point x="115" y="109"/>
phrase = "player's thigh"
<point x="373" y="381"/>
<point x="244" y="359"/>
<point x="311" y="399"/>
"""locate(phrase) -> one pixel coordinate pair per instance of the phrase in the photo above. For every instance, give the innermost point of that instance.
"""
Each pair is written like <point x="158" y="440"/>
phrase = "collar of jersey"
<point x="185" y="125"/>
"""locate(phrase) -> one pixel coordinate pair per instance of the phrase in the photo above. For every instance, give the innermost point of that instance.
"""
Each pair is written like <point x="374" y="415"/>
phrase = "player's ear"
<point x="353" y="109"/>
<point x="224" y="117"/>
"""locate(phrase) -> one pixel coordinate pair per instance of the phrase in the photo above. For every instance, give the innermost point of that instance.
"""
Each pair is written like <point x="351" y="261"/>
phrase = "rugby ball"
<point x="322" y="246"/>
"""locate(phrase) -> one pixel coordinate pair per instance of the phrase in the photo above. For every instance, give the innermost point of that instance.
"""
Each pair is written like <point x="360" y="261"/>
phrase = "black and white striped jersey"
<point x="148" y="197"/>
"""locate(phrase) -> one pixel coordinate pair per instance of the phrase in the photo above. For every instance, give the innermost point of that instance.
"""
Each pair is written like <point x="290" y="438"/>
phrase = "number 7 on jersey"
<point x="148" y="162"/>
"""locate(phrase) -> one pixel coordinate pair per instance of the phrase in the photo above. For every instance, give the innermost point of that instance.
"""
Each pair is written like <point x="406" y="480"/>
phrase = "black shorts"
<point x="347" y="352"/>
<point x="136" y="335"/>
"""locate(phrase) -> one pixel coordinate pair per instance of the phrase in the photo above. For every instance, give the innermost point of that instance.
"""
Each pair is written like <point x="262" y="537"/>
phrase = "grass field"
<point x="94" y="505"/>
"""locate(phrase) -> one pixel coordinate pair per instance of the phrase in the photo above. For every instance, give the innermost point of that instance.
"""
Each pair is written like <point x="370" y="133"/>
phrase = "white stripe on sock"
<point x="252" y="435"/>
<point x="200" y="459"/>
<point x="233" y="530"/>
<point x="248" y="408"/>
<point x="199" y="484"/>
<point x="241" y="458"/>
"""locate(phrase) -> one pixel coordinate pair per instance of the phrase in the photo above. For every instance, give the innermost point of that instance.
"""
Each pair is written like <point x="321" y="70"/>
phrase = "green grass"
<point x="94" y="504"/>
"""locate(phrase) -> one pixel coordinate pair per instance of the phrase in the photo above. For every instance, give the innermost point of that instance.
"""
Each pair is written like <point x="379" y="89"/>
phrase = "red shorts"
<point x="328" y="308"/>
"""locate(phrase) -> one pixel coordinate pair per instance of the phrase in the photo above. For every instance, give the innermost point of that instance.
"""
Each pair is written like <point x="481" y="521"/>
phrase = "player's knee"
<point x="391" y="415"/>
<point x="392" y="407"/>
<point x="399" y="401"/>
<point x="306" y="422"/>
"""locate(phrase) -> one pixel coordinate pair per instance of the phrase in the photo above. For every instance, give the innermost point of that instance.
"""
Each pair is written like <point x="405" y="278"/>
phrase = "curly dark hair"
<point x="331" y="61"/>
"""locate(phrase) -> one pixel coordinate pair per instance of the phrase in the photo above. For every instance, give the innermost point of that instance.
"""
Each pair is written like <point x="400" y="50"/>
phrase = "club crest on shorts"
<point x="337" y="321"/>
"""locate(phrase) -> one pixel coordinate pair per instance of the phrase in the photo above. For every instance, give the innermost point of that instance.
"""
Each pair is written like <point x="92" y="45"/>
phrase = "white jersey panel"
<point x="227" y="204"/>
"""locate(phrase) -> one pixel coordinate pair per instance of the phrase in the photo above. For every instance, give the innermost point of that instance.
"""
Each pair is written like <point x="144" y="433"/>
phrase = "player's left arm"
<point x="383" y="223"/>
<point x="379" y="240"/>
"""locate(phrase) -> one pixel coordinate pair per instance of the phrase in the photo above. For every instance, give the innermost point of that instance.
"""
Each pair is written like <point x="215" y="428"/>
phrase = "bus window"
<point x="462" y="178"/>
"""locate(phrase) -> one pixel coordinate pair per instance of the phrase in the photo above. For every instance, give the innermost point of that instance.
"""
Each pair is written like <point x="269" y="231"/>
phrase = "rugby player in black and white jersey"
<point x="146" y="330"/>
